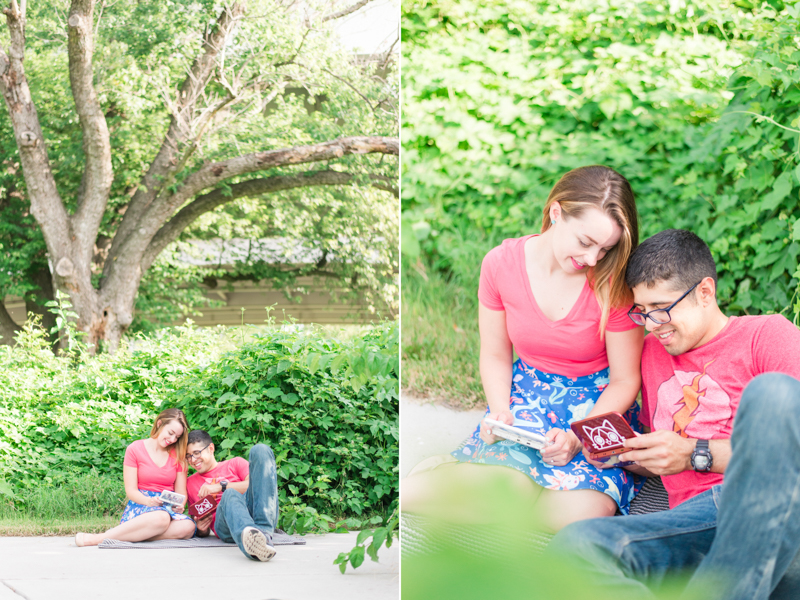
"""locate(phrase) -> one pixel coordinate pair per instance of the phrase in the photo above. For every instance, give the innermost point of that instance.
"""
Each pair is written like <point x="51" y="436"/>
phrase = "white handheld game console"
<point x="516" y="434"/>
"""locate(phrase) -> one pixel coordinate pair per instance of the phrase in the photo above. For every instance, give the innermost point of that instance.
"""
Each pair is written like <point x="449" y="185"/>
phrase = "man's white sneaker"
<point x="257" y="544"/>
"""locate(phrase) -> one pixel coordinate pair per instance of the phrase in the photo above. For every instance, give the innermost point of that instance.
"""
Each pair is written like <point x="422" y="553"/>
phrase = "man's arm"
<point x="216" y="488"/>
<point x="240" y="486"/>
<point x="666" y="453"/>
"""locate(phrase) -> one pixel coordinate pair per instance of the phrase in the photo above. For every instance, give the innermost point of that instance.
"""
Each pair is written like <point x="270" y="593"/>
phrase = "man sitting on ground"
<point x="700" y="370"/>
<point x="247" y="493"/>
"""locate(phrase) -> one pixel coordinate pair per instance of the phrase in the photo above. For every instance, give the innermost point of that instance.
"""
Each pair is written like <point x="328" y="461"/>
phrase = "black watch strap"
<point x="224" y="485"/>
<point x="701" y="457"/>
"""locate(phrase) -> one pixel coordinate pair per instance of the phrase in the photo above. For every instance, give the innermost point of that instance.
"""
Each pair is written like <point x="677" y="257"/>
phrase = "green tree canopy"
<point x="694" y="102"/>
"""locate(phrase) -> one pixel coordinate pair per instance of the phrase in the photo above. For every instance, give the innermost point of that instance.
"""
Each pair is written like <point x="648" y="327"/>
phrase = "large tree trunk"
<point x="159" y="210"/>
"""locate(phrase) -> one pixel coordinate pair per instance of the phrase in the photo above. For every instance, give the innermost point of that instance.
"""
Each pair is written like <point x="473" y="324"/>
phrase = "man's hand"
<point x="209" y="488"/>
<point x="504" y="416"/>
<point x="563" y="449"/>
<point x="661" y="452"/>
<point x="204" y="526"/>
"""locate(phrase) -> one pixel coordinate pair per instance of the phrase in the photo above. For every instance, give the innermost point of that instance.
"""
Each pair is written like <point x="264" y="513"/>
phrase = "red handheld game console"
<point x="603" y="435"/>
<point x="204" y="506"/>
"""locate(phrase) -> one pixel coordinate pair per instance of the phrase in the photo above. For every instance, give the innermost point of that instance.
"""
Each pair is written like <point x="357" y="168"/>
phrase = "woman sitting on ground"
<point x="152" y="465"/>
<point x="559" y="300"/>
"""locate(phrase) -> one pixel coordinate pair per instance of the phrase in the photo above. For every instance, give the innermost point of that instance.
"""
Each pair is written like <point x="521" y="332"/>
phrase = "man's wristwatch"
<point x="224" y="485"/>
<point x="701" y="457"/>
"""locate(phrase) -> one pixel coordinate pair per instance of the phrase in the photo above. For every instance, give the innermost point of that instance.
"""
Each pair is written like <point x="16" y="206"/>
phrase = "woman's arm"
<point x="180" y="488"/>
<point x="624" y="350"/>
<point x="130" y="475"/>
<point x="495" y="366"/>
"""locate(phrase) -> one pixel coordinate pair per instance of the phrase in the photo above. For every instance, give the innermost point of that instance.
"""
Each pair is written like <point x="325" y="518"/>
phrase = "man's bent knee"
<point x="261" y="452"/>
<point x="765" y="404"/>
<point x="783" y="391"/>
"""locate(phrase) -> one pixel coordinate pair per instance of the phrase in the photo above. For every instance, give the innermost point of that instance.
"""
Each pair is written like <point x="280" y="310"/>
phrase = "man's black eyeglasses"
<point x="197" y="453"/>
<point x="660" y="315"/>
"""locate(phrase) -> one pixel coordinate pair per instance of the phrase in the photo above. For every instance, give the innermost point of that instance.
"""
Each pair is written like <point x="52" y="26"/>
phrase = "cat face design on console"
<point x="604" y="435"/>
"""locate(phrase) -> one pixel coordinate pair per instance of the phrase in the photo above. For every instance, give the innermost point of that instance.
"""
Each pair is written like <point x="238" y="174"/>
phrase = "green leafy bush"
<point x="695" y="103"/>
<point x="328" y="408"/>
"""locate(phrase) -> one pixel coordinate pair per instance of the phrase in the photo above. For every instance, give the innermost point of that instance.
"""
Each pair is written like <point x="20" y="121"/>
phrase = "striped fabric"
<point x="652" y="498"/>
<point x="279" y="538"/>
<point x="421" y="536"/>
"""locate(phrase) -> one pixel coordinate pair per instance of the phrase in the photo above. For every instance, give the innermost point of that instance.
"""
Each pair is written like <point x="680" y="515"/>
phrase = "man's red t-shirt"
<point x="696" y="394"/>
<point x="235" y="469"/>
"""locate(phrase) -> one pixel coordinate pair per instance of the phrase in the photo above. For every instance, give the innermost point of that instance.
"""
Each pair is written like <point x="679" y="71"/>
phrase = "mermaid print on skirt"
<point x="542" y="401"/>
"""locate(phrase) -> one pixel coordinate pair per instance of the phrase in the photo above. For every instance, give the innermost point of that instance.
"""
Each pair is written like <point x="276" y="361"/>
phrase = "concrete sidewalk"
<point x="44" y="568"/>
<point x="428" y="428"/>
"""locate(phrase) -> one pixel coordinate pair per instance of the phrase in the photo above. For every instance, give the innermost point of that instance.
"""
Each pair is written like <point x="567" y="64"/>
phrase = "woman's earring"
<point x="552" y="221"/>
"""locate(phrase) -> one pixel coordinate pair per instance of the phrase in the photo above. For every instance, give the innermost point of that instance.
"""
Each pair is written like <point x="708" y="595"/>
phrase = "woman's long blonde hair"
<point x="164" y="417"/>
<point x="603" y="188"/>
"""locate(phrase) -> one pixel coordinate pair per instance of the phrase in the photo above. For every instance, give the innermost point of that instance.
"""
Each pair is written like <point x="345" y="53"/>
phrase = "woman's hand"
<point x="597" y="464"/>
<point x="153" y="501"/>
<point x="565" y="445"/>
<point x="504" y="416"/>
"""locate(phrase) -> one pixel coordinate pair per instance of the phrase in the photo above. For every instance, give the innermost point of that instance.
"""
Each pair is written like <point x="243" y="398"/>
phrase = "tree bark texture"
<point x="159" y="208"/>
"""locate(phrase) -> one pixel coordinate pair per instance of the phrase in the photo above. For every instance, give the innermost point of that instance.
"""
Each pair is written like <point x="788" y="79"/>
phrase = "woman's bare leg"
<point x="143" y="527"/>
<point x="181" y="529"/>
<point x="559" y="508"/>
<point x="470" y="493"/>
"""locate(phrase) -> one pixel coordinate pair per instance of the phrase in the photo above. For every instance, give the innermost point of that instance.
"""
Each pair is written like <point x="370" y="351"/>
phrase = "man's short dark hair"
<point x="198" y="436"/>
<point x="676" y="256"/>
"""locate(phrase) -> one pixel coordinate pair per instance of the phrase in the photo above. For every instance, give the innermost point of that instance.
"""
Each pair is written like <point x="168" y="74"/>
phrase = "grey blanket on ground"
<point x="279" y="538"/>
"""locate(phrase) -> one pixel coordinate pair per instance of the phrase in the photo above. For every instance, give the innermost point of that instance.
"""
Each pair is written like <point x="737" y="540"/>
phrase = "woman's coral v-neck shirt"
<point x="570" y="346"/>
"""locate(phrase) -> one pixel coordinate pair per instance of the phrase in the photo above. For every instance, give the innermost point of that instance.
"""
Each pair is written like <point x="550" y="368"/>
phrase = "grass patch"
<point x="84" y="502"/>
<point x="440" y="340"/>
<point x="32" y="526"/>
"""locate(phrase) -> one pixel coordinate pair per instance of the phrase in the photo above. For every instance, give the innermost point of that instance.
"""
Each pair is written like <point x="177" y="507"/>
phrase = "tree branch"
<point x="46" y="204"/>
<point x="210" y="175"/>
<point x="344" y="12"/>
<point x="98" y="174"/>
<point x="167" y="161"/>
<point x="255" y="187"/>
<point x="352" y="87"/>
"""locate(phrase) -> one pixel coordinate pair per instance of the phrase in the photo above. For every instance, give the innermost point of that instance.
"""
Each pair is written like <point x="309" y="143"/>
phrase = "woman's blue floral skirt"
<point x="543" y="401"/>
<point x="134" y="509"/>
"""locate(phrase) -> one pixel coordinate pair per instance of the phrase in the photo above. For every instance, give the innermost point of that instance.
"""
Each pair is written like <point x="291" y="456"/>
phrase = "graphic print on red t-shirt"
<point x="692" y="404"/>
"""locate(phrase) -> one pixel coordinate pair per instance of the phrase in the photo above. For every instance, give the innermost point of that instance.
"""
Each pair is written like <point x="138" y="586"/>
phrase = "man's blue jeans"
<point x="258" y="507"/>
<point x="740" y="537"/>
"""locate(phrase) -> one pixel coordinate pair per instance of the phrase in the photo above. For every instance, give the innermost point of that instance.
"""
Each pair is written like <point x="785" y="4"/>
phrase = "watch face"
<point x="700" y="462"/>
